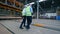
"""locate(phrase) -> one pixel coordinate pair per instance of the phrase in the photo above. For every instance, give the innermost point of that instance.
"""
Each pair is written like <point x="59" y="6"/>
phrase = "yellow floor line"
<point x="39" y="25"/>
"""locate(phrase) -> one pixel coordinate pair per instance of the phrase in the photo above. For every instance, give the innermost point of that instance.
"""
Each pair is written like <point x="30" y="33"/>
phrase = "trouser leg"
<point x="29" y="21"/>
<point x="23" y="22"/>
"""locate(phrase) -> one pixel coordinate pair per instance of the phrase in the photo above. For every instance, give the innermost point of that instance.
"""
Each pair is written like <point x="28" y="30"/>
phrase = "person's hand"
<point x="32" y="13"/>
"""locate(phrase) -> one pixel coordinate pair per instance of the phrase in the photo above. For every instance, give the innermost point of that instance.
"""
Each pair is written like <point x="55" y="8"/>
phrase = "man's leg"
<point x="23" y="22"/>
<point x="29" y="20"/>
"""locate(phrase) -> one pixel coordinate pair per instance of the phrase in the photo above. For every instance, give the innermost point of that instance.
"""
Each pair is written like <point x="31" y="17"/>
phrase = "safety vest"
<point x="28" y="12"/>
<point x="23" y="12"/>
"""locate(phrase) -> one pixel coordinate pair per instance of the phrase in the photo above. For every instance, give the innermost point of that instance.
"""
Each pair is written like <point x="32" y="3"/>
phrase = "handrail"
<point x="16" y="2"/>
<point x="9" y="7"/>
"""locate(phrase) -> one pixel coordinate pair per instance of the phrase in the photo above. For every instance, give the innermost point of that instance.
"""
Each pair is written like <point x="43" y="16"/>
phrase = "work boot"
<point x="27" y="27"/>
<point x="21" y="27"/>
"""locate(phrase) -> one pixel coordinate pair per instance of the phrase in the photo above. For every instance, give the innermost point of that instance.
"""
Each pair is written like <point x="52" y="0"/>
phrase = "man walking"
<point x="28" y="15"/>
<point x="24" y="18"/>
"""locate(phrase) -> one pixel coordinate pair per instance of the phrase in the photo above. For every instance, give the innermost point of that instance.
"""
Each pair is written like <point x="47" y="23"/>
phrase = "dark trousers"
<point x="23" y="22"/>
<point x="29" y="20"/>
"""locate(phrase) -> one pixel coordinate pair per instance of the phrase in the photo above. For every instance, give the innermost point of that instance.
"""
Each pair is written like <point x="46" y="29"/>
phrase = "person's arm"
<point x="23" y="12"/>
<point x="31" y="9"/>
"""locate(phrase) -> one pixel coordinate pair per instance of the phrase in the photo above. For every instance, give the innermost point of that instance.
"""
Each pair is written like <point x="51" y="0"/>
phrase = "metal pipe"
<point x="5" y="1"/>
<point x="14" y="2"/>
<point x="37" y="9"/>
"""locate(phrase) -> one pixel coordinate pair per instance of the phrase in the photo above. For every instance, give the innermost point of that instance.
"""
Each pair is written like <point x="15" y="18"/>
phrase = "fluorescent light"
<point x="32" y="3"/>
<point x="41" y="0"/>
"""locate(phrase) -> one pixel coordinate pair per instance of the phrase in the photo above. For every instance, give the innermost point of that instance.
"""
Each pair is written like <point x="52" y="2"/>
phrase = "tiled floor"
<point x="13" y="25"/>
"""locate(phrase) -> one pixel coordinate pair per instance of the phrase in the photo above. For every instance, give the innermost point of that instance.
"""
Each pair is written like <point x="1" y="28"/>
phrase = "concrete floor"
<point x="3" y="30"/>
<point x="52" y="26"/>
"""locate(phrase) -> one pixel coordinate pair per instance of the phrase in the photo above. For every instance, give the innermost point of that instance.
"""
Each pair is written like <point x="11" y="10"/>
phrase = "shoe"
<point x="21" y="28"/>
<point x="27" y="27"/>
<point x="24" y="26"/>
